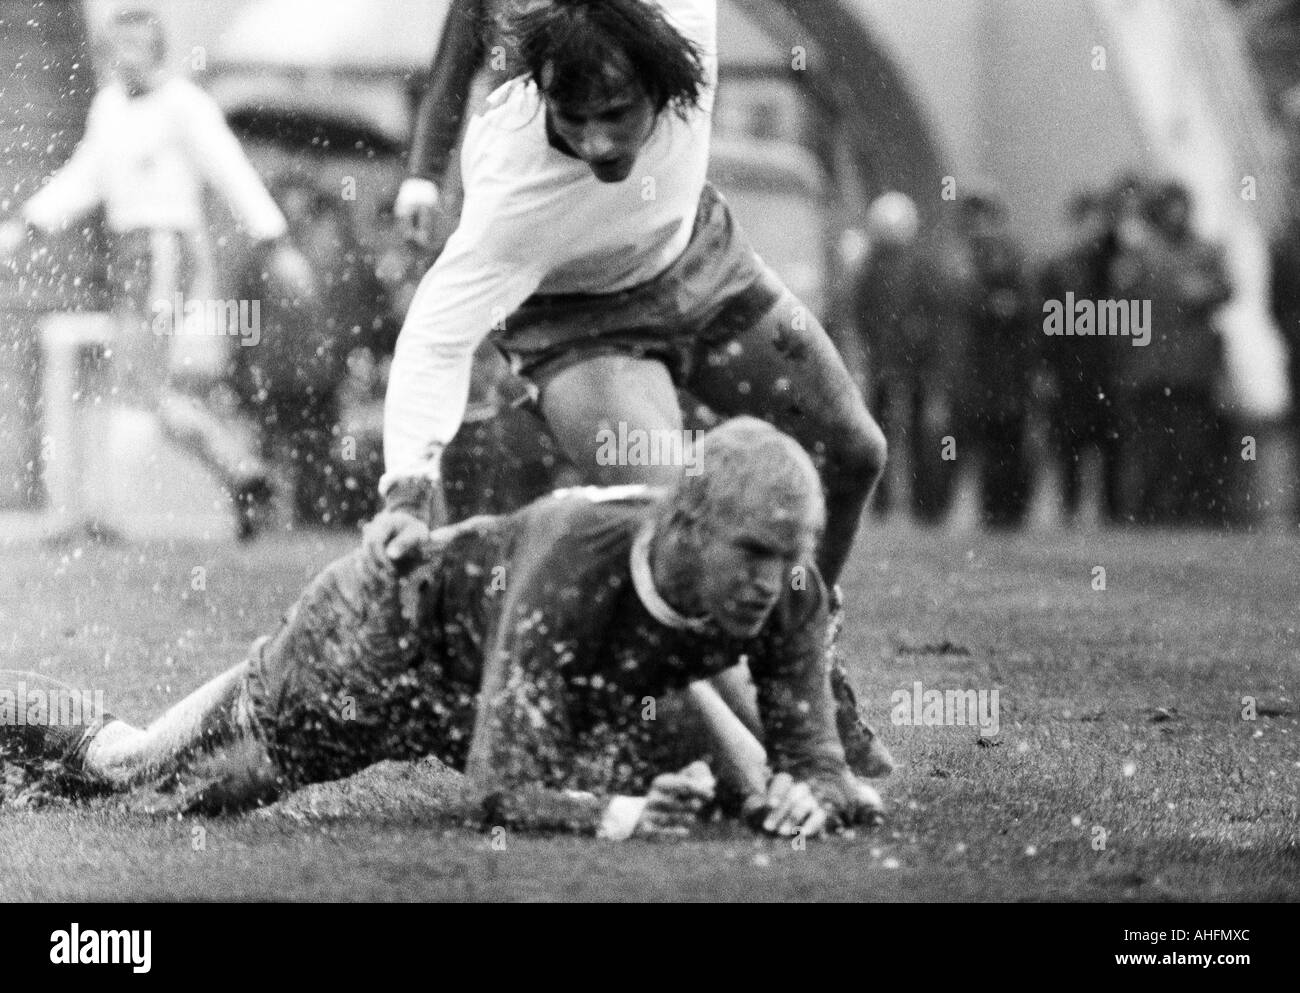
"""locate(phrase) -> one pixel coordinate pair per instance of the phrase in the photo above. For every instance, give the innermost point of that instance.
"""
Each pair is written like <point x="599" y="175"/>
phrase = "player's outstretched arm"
<point x="220" y="159"/>
<point x="483" y="276"/>
<point x="804" y="748"/>
<point x="503" y="797"/>
<point x="76" y="189"/>
<point x="523" y="747"/>
<point x="520" y="733"/>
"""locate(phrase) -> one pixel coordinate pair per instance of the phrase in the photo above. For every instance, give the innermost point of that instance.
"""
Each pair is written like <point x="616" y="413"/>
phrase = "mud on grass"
<point x="1123" y="769"/>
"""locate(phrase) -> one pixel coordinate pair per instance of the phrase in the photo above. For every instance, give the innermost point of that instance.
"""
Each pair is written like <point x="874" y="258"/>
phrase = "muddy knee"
<point x="855" y="459"/>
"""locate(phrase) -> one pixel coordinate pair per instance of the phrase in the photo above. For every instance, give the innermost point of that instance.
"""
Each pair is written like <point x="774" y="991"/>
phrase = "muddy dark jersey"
<point x="546" y="598"/>
<point x="531" y="662"/>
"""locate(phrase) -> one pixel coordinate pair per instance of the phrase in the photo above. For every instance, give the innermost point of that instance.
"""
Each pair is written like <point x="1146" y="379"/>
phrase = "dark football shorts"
<point x="716" y="289"/>
<point x="147" y="270"/>
<point x="351" y="679"/>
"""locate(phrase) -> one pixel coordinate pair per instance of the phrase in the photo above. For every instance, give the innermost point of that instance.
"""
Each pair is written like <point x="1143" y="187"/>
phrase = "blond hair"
<point x="748" y="469"/>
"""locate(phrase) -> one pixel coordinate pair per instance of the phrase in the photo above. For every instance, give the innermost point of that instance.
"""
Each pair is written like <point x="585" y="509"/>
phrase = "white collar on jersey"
<point x="643" y="580"/>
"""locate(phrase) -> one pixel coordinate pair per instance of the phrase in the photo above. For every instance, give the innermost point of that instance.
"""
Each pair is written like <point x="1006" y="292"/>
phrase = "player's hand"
<point x="864" y="805"/>
<point x="789" y="808"/>
<point x="675" y="801"/>
<point x="396" y="537"/>
<point x="400" y="534"/>
<point x="416" y="210"/>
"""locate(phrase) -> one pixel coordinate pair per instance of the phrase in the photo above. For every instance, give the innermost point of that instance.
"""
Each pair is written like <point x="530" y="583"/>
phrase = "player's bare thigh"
<point x="591" y="405"/>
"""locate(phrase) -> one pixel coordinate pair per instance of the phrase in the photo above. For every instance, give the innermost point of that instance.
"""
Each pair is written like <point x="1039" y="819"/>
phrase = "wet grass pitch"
<point x="1126" y="766"/>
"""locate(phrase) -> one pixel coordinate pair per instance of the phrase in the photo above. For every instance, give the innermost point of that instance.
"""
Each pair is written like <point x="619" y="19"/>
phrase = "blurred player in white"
<point x="153" y="141"/>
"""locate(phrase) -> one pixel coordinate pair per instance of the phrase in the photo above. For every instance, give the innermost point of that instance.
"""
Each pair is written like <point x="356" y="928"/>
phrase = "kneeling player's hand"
<point x="863" y="803"/>
<point x="676" y="799"/>
<point x="789" y="808"/>
<point x="674" y="803"/>
<point x="396" y="537"/>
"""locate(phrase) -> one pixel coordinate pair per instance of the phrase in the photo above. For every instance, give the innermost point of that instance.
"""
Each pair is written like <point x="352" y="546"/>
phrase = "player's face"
<point x="606" y="129"/>
<point x="134" y="57"/>
<point x="744" y="568"/>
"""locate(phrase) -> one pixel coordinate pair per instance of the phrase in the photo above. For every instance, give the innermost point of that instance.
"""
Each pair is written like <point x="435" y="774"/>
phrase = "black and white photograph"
<point x="651" y="451"/>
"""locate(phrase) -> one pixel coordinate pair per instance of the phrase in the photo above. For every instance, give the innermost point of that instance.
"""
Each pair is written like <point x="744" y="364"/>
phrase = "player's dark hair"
<point x="574" y="49"/>
<point x="135" y="17"/>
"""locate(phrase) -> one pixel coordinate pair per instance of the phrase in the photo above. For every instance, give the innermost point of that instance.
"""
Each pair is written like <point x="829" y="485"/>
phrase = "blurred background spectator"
<point x="1080" y="396"/>
<point x="1172" y="389"/>
<point x="293" y="383"/>
<point x="874" y="339"/>
<point x="1286" y="310"/>
<point x="1001" y="336"/>
<point x="909" y="312"/>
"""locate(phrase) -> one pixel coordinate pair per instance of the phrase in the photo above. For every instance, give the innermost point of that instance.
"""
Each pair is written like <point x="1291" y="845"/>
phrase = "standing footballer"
<point x="154" y="141"/>
<point x="603" y="264"/>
